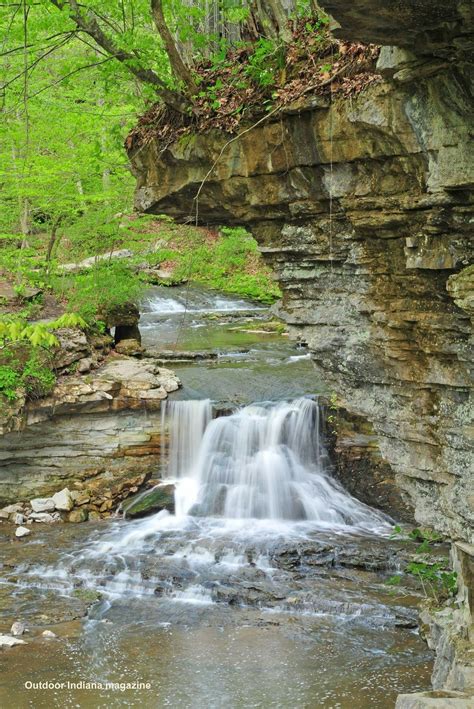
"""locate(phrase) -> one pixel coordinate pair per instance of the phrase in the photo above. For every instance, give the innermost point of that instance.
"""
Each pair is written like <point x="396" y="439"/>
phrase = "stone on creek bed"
<point x="9" y="641"/>
<point x="22" y="532"/>
<point x="150" y="501"/>
<point x="435" y="700"/>
<point x="42" y="504"/>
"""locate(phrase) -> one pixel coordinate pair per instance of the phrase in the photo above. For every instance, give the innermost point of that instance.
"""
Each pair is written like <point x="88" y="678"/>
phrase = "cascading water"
<point x="187" y="421"/>
<point x="265" y="461"/>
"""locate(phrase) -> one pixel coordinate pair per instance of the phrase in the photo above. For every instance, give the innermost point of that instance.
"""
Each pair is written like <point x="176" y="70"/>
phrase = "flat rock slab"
<point x="43" y="504"/>
<point x="180" y="356"/>
<point x="434" y="700"/>
<point x="9" y="641"/>
<point x="90" y="262"/>
<point x="9" y="295"/>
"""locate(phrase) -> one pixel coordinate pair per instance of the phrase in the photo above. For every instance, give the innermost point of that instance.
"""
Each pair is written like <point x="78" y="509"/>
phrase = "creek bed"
<point x="193" y="319"/>
<point x="218" y="611"/>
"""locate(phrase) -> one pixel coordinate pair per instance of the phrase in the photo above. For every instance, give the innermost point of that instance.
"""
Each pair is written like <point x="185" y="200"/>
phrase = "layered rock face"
<point x="362" y="207"/>
<point x="99" y="431"/>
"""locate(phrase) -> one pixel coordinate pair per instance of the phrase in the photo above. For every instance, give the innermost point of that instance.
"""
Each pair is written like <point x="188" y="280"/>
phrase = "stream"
<point x="268" y="586"/>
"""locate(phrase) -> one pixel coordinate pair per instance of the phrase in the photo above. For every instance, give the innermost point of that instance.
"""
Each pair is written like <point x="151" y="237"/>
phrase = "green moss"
<point x="87" y="595"/>
<point x="159" y="498"/>
<point x="187" y="141"/>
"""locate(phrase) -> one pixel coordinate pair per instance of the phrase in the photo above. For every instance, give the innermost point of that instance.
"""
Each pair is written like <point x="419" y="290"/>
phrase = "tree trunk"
<point x="53" y="238"/>
<point x="24" y="221"/>
<point x="179" y="68"/>
<point x="23" y="202"/>
<point x="270" y="19"/>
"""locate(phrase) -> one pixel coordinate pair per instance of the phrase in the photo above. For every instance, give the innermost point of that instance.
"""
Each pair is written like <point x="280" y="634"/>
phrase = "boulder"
<point x="129" y="347"/>
<point x="63" y="500"/>
<point x="22" y="532"/>
<point x="434" y="700"/>
<point x="80" y="515"/>
<point x="124" y="315"/>
<point x="80" y="497"/>
<point x="18" y="628"/>
<point x="18" y="518"/>
<point x="91" y="261"/>
<point x="42" y="504"/>
<point x="73" y="347"/>
<point x="42" y="517"/>
<point x="84" y="365"/>
<point x="48" y="634"/>
<point x="10" y="509"/>
<point x="145" y="503"/>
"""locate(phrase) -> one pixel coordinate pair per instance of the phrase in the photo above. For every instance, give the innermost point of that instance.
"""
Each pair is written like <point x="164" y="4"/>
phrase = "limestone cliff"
<point x="363" y="209"/>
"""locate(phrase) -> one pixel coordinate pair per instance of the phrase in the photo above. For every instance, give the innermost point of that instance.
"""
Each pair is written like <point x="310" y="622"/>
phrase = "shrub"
<point x="100" y="288"/>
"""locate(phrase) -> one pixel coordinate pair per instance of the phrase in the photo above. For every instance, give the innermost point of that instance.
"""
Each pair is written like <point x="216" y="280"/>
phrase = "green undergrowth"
<point x="428" y="568"/>
<point x="230" y="263"/>
<point x="93" y="292"/>
<point x="27" y="357"/>
<point x="227" y="260"/>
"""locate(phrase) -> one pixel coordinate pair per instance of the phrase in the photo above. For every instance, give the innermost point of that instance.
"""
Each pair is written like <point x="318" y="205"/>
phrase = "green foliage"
<point x="24" y="369"/>
<point x="38" y="335"/>
<point x="331" y="417"/>
<point x="36" y="378"/>
<point x="226" y="265"/>
<point x="25" y="360"/>
<point x="437" y="581"/>
<point x="434" y="578"/>
<point x="267" y="58"/>
<point x="69" y="320"/>
<point x="99" y="289"/>
<point x="63" y="126"/>
<point x="9" y="382"/>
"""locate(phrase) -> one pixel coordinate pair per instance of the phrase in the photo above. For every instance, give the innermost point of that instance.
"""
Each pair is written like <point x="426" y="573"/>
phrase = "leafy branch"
<point x="87" y="22"/>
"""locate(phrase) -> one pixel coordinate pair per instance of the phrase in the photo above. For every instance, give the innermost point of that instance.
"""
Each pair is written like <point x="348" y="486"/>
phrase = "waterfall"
<point x="187" y="422"/>
<point x="265" y="461"/>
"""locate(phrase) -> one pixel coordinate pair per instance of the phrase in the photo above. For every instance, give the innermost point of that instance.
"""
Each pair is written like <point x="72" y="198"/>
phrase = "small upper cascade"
<point x="159" y="303"/>
<point x="265" y="461"/>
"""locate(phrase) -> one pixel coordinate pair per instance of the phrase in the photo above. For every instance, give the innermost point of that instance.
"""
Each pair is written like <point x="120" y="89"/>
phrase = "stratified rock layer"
<point x="362" y="207"/>
<point x="102" y="428"/>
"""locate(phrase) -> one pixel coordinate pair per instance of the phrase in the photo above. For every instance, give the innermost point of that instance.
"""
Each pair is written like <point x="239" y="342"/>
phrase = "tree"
<point x="74" y="77"/>
<point x="86" y="21"/>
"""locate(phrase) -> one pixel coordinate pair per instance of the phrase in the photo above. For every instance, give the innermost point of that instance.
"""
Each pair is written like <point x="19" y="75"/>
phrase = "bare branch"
<point x="88" y="23"/>
<point x="29" y="67"/>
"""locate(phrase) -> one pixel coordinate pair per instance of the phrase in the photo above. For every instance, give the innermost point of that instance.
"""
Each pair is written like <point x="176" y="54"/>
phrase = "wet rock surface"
<point x="150" y="501"/>
<point x="326" y="593"/>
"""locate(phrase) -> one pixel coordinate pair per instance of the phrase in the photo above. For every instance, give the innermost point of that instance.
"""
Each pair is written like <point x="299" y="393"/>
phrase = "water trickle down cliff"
<point x="381" y="291"/>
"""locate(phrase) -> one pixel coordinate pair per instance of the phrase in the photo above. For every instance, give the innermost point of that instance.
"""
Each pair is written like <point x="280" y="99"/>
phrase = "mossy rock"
<point x="87" y="595"/>
<point x="149" y="502"/>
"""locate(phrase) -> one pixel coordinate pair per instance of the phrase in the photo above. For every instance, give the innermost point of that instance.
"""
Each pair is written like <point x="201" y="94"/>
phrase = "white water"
<point x="203" y="303"/>
<point x="242" y="481"/>
<point x="187" y="421"/>
<point x="265" y="462"/>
